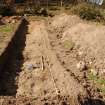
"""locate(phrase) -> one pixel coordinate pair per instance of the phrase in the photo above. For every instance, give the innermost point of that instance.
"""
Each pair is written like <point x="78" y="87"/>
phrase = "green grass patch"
<point x="6" y="28"/>
<point x="96" y="79"/>
<point x="99" y="82"/>
<point x="68" y="44"/>
<point x="92" y="77"/>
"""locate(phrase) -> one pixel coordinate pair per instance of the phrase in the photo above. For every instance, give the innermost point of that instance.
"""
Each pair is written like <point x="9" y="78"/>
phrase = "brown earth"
<point x="48" y="78"/>
<point x="58" y="55"/>
<point x="79" y="46"/>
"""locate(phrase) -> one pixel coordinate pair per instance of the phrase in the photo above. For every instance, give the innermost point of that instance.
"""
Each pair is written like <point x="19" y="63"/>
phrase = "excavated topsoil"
<point x="50" y="64"/>
<point x="79" y="46"/>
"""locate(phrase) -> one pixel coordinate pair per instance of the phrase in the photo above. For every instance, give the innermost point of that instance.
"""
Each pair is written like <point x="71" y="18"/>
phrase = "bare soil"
<point x="79" y="46"/>
<point x="47" y="78"/>
<point x="52" y="66"/>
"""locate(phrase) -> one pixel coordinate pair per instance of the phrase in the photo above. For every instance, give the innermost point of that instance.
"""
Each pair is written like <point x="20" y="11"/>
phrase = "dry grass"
<point x="89" y="12"/>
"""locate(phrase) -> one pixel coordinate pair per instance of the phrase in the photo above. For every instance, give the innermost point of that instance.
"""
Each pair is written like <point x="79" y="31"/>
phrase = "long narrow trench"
<point x="13" y="63"/>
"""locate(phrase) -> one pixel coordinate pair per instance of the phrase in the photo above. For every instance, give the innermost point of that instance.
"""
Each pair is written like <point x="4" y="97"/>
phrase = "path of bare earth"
<point x="49" y="78"/>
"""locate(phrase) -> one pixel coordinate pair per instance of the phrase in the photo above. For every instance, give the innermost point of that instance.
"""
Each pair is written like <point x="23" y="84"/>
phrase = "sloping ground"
<point x="80" y="48"/>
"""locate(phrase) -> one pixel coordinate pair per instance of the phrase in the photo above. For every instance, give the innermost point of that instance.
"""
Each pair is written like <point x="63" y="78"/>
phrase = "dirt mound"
<point x="79" y="46"/>
<point x="90" y="38"/>
<point x="64" y="20"/>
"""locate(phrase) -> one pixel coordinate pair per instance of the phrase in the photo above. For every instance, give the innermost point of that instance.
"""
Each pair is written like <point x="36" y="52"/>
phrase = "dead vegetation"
<point x="89" y="12"/>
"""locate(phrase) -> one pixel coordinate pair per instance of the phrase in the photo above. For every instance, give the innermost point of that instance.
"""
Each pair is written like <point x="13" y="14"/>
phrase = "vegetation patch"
<point x="98" y="81"/>
<point x="89" y="12"/>
<point x="6" y="28"/>
<point x="6" y="11"/>
<point x="68" y="44"/>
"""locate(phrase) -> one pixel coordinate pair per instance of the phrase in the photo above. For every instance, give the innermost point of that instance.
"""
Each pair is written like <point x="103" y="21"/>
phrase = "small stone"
<point x="13" y="21"/>
<point x="94" y="72"/>
<point x="30" y="66"/>
<point x="81" y="65"/>
<point x="84" y="84"/>
<point x="80" y="53"/>
<point x="90" y="62"/>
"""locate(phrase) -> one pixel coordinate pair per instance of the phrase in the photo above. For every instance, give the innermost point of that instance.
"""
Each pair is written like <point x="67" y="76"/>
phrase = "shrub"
<point x="88" y="12"/>
<point x="6" y="11"/>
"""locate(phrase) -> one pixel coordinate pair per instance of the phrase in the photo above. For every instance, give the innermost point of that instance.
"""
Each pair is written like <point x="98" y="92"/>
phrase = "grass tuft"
<point x="68" y="44"/>
<point x="5" y="29"/>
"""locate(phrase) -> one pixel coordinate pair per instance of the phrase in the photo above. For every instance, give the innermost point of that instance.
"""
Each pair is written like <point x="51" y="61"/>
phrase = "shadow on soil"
<point x="13" y="61"/>
<point x="93" y="102"/>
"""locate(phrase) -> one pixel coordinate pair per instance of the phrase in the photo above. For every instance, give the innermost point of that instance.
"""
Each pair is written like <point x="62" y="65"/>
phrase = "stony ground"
<point x="63" y="59"/>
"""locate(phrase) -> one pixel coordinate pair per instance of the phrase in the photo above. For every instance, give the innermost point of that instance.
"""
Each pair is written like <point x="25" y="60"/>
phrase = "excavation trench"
<point x="12" y="60"/>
